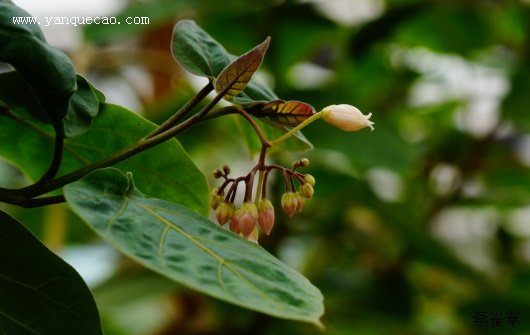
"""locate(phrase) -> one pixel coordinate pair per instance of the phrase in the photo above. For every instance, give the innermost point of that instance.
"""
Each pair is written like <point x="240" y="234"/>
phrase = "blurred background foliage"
<point x="413" y="227"/>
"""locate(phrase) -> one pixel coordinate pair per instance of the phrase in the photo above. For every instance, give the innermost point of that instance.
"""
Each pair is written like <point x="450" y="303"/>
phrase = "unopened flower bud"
<point x="289" y="203"/>
<point x="265" y="215"/>
<point x="234" y="224"/>
<point x="216" y="198"/>
<point x="217" y="173"/>
<point x="306" y="190"/>
<point x="346" y="117"/>
<point x="299" y="201"/>
<point x="226" y="169"/>
<point x="246" y="218"/>
<point x="224" y="212"/>
<point x="304" y="162"/>
<point x="296" y="164"/>
<point x="309" y="179"/>
<point x="253" y="237"/>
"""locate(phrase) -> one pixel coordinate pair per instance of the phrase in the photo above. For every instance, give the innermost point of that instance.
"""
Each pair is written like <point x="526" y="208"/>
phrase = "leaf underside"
<point x="283" y="113"/>
<point x="188" y="248"/>
<point x="239" y="73"/>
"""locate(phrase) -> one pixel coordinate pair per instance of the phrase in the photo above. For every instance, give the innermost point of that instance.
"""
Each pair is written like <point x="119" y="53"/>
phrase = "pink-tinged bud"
<point x="306" y="190"/>
<point x="309" y="179"/>
<point x="346" y="117"/>
<point x="224" y="212"/>
<point x="234" y="223"/>
<point x="246" y="218"/>
<point x="216" y="198"/>
<point x="289" y="203"/>
<point x="253" y="237"/>
<point x="265" y="215"/>
<point x="299" y="201"/>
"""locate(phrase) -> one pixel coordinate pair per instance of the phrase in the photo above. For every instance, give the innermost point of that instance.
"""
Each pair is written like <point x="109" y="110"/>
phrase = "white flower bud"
<point x="346" y="117"/>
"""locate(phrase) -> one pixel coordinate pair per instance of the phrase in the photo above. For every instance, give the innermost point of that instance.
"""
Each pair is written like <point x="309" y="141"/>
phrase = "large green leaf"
<point x="48" y="71"/>
<point x="190" y="249"/>
<point x="39" y="292"/>
<point x="165" y="171"/>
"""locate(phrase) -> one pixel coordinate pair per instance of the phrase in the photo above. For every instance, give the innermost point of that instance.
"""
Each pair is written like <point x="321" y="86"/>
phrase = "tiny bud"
<point x="296" y="164"/>
<point x="346" y="117"/>
<point x="246" y="218"/>
<point x="217" y="173"/>
<point x="216" y="198"/>
<point x="304" y="162"/>
<point x="226" y="169"/>
<point x="306" y="190"/>
<point x="289" y="203"/>
<point x="309" y="179"/>
<point x="299" y="201"/>
<point x="265" y="215"/>
<point x="224" y="212"/>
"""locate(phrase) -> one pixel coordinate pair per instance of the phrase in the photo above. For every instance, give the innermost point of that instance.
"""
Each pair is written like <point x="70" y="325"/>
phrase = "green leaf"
<point x="190" y="249"/>
<point x="15" y="93"/>
<point x="83" y="109"/>
<point x="165" y="171"/>
<point x="290" y="113"/>
<point x="40" y="293"/>
<point x="198" y="52"/>
<point x="48" y="71"/>
<point x="237" y="75"/>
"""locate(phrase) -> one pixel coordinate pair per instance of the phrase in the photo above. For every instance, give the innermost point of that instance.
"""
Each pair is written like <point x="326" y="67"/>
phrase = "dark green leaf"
<point x="165" y="171"/>
<point x="15" y="93"/>
<point x="198" y="52"/>
<point x="237" y="75"/>
<point x="48" y="71"/>
<point x="190" y="249"/>
<point x="83" y="109"/>
<point x="39" y="292"/>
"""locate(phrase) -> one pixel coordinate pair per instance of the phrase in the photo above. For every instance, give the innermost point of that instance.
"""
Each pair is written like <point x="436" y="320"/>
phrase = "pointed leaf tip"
<point x="235" y="77"/>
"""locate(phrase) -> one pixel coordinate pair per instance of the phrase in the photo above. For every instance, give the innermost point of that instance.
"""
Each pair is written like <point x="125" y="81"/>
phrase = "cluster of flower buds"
<point x="261" y="211"/>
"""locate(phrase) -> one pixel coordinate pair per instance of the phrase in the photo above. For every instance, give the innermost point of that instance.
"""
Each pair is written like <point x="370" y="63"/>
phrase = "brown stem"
<point x="32" y="203"/>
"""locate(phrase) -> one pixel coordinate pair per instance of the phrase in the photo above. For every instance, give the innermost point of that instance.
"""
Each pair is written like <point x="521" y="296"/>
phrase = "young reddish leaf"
<point x="290" y="113"/>
<point x="237" y="75"/>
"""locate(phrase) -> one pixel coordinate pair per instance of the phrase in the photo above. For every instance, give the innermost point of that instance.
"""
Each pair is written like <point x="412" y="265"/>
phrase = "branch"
<point x="172" y="121"/>
<point x="132" y="150"/>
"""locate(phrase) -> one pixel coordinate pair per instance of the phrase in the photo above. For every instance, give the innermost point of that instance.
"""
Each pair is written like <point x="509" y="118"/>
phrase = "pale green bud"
<point x="306" y="190"/>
